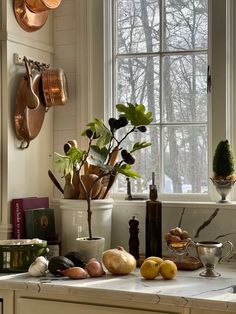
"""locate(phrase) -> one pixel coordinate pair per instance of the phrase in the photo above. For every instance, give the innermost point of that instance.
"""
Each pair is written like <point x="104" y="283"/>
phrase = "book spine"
<point x="29" y="224"/>
<point x="18" y="219"/>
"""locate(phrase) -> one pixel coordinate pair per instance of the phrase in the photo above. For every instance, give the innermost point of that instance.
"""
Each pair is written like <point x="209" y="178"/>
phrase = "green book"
<point x="39" y="223"/>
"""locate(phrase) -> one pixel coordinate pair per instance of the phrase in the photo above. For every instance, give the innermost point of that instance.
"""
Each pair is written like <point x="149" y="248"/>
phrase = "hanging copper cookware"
<point x="55" y="88"/>
<point x="42" y="5"/>
<point x="30" y="108"/>
<point x="31" y="15"/>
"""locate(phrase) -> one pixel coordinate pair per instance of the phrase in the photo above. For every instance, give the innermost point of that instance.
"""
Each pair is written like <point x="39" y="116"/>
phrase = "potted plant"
<point x="223" y="170"/>
<point x="94" y="170"/>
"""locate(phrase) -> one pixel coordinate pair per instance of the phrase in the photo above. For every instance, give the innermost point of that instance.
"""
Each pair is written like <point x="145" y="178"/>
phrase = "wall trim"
<point x="90" y="63"/>
<point x="5" y="231"/>
<point x="3" y="35"/>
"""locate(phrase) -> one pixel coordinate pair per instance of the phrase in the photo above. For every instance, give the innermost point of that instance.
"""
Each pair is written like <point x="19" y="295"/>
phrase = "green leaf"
<point x="136" y="113"/>
<point x="63" y="164"/>
<point x="125" y="169"/>
<point x="140" y="145"/>
<point x="97" y="156"/>
<point x="102" y="132"/>
<point x="75" y="154"/>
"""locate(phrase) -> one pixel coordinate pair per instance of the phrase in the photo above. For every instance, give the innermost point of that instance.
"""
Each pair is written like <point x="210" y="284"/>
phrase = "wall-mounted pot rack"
<point x="38" y="65"/>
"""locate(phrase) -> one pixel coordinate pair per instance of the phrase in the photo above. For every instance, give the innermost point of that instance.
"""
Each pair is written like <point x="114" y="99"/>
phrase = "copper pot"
<point x="55" y="88"/>
<point x="42" y="5"/>
<point x="31" y="15"/>
<point x="29" y="113"/>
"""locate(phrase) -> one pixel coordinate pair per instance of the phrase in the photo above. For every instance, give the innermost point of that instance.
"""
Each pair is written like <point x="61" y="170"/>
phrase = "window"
<point x="160" y="59"/>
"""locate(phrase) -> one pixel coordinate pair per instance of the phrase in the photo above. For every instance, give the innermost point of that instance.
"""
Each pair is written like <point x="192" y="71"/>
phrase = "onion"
<point x="118" y="261"/>
<point x="94" y="268"/>
<point x="74" y="273"/>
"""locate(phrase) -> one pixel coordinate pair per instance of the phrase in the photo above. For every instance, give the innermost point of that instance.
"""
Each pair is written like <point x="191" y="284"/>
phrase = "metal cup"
<point x="210" y="253"/>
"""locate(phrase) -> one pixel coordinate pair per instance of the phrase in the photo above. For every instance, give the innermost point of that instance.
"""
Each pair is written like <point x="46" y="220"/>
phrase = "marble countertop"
<point x="187" y="289"/>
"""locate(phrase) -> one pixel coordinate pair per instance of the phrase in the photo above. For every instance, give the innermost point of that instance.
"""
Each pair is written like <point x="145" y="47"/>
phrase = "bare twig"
<point x="206" y="223"/>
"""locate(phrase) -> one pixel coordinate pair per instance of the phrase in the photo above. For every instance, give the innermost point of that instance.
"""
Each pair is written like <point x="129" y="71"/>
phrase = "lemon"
<point x="155" y="259"/>
<point x="168" y="269"/>
<point x="149" y="269"/>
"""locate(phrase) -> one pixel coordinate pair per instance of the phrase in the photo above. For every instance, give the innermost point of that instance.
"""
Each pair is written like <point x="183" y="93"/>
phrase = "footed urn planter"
<point x="223" y="187"/>
<point x="74" y="222"/>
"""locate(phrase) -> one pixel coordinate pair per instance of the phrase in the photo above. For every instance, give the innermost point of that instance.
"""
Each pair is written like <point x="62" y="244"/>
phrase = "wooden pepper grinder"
<point x="134" y="240"/>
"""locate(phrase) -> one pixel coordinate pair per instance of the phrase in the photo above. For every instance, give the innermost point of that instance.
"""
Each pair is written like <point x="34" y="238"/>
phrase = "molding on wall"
<point x="90" y="62"/>
<point x="3" y="35"/>
<point x="4" y="133"/>
<point x="5" y="232"/>
<point x="3" y="16"/>
<point x="15" y="38"/>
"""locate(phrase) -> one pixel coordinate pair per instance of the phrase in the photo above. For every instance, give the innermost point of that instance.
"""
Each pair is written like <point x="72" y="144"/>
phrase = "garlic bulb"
<point x="38" y="267"/>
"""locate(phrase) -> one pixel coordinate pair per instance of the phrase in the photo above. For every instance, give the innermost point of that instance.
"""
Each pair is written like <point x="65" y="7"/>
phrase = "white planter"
<point x="74" y="221"/>
<point x="90" y="248"/>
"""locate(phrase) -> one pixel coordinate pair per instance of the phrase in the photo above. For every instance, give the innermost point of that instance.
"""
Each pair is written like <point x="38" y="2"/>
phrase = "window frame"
<point x="220" y="117"/>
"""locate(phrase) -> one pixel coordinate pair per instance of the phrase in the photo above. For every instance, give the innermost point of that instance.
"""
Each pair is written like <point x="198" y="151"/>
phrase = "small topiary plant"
<point x="223" y="162"/>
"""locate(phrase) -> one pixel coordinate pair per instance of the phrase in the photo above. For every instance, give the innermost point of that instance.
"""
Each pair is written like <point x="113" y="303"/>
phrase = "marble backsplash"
<point x="216" y="223"/>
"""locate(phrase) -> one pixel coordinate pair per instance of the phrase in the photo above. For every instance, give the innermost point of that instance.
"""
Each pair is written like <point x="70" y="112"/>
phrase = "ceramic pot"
<point x="73" y="217"/>
<point x="90" y="248"/>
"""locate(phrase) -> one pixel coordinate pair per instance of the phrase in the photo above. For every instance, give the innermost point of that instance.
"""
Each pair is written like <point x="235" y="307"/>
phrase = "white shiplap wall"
<point x="78" y="44"/>
<point x="65" y="57"/>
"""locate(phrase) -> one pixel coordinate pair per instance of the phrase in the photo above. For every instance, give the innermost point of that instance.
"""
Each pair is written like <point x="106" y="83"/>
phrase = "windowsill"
<point x="178" y="204"/>
<point x="169" y="204"/>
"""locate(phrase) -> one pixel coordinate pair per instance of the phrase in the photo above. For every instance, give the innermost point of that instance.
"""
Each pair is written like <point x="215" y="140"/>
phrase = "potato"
<point x="168" y="237"/>
<point x="175" y="239"/>
<point x="177" y="231"/>
<point x="172" y="231"/>
<point x="184" y="234"/>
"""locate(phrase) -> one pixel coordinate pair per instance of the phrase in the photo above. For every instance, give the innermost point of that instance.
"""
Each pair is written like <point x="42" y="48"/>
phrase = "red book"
<point x="18" y="207"/>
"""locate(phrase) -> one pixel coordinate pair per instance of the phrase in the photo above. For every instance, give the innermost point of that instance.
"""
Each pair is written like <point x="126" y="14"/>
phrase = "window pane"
<point x="186" y="25"/>
<point x="151" y="68"/>
<point x="138" y="26"/>
<point x="185" y="88"/>
<point x="138" y="82"/>
<point x="147" y="160"/>
<point x="185" y="159"/>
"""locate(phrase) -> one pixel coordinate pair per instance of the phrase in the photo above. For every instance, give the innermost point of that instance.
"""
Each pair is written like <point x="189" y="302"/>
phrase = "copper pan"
<point x="27" y="19"/>
<point x="28" y="119"/>
<point x="42" y="5"/>
<point x="55" y="88"/>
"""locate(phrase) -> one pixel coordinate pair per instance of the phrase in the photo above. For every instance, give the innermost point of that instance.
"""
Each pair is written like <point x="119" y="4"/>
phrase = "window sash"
<point x="217" y="121"/>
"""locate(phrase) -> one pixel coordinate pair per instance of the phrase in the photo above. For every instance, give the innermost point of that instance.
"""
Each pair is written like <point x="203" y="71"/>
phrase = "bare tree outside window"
<point x="160" y="51"/>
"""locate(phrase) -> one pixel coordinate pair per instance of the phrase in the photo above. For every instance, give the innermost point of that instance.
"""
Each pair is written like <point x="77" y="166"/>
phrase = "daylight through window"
<point x="160" y="51"/>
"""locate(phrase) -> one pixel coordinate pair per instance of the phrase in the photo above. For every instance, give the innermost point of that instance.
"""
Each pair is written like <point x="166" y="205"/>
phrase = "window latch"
<point x="208" y="80"/>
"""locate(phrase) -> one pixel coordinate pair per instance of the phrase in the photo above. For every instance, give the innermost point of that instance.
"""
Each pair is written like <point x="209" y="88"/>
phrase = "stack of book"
<point x="32" y="218"/>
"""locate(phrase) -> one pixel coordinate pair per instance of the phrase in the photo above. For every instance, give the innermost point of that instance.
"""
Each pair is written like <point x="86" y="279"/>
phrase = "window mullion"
<point x="161" y="162"/>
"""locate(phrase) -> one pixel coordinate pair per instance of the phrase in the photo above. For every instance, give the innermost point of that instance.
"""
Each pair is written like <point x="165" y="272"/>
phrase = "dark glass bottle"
<point x="153" y="223"/>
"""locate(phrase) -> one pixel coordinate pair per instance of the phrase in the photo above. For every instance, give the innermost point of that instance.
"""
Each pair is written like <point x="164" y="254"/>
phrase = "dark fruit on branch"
<point x="142" y="128"/>
<point x="89" y="133"/>
<point x="112" y="123"/>
<point x="127" y="157"/>
<point x="116" y="124"/>
<point x="122" y="122"/>
<point x="124" y="153"/>
<point x="66" y="147"/>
